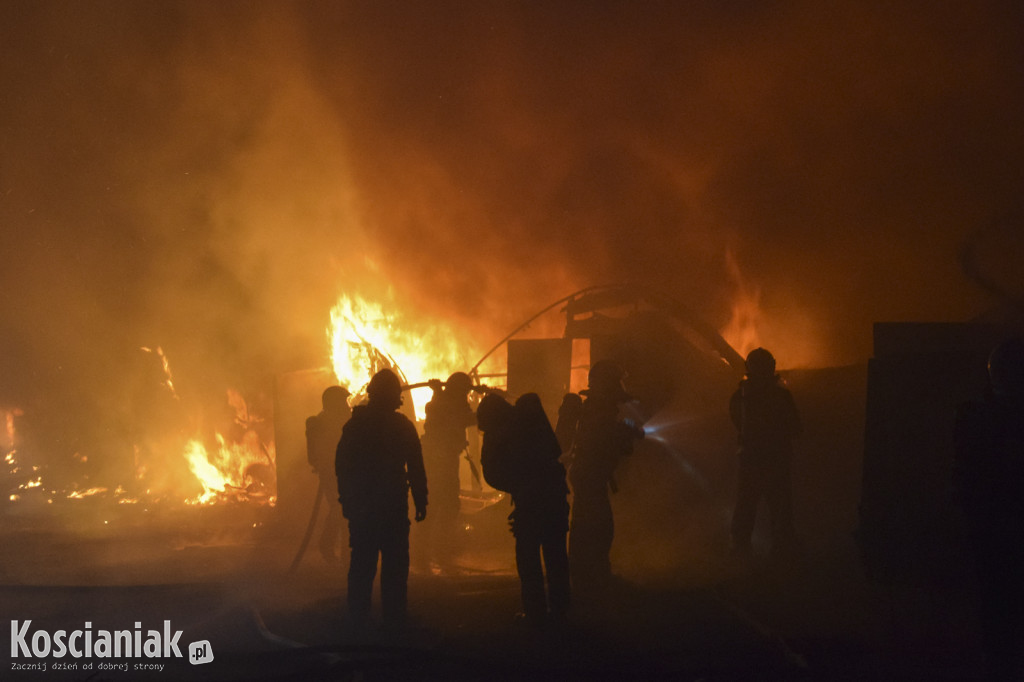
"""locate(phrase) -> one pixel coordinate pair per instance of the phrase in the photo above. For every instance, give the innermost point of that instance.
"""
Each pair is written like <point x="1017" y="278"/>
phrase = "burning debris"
<point x="239" y="469"/>
<point x="242" y="471"/>
<point x="366" y="337"/>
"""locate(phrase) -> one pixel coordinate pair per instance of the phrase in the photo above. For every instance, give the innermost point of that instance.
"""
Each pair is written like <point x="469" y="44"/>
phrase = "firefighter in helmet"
<point x="520" y="455"/>
<point x="323" y="431"/>
<point x="766" y="420"/>
<point x="379" y="460"/>
<point x="600" y="442"/>
<point x="448" y="415"/>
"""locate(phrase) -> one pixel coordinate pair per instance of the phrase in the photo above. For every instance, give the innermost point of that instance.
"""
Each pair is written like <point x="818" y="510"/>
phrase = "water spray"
<point x="657" y="429"/>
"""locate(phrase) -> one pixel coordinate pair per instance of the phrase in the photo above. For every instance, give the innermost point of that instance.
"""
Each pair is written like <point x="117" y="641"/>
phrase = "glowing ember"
<point x="79" y="494"/>
<point x="365" y="338"/>
<point x="169" y="381"/>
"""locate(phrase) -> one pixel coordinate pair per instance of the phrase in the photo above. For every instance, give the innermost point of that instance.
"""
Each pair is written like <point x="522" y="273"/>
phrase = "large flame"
<point x="366" y="337"/>
<point x="236" y="462"/>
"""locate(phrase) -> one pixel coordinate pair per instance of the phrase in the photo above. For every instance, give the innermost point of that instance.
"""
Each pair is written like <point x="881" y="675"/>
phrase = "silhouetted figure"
<point x="600" y="442"/>
<point x="448" y="414"/>
<point x="519" y="455"/>
<point x="379" y="460"/>
<point x="568" y="419"/>
<point x="767" y="421"/>
<point x="323" y="431"/>
<point x="989" y="480"/>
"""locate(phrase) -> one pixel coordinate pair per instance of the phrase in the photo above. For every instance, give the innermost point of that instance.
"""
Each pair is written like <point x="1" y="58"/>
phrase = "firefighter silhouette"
<point x="520" y="455"/>
<point x="767" y="421"/>
<point x="379" y="460"/>
<point x="448" y="415"/>
<point x="989" y="482"/>
<point x="323" y="431"/>
<point x="600" y="441"/>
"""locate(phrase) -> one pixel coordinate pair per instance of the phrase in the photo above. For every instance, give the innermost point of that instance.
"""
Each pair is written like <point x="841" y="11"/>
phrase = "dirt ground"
<point x="222" y="575"/>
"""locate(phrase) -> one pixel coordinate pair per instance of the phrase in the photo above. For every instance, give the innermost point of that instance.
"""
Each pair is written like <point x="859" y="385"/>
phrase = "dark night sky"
<point x="210" y="176"/>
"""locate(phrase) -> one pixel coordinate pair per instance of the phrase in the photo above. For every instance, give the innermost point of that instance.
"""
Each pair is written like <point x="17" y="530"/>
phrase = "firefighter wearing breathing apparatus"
<point x="766" y="420"/>
<point x="520" y="455"/>
<point x="601" y="440"/>
<point x="448" y="415"/>
<point x="323" y="431"/>
<point x="379" y="460"/>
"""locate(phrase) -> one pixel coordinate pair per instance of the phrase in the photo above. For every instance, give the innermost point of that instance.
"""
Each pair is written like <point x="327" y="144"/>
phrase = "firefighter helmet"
<point x="605" y="379"/>
<point x="384" y="386"/>
<point x="334" y="397"/>
<point x="459" y="383"/>
<point x="760" y="363"/>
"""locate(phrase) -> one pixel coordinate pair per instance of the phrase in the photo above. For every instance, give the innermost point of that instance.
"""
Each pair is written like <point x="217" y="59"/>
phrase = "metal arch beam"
<point x="609" y="295"/>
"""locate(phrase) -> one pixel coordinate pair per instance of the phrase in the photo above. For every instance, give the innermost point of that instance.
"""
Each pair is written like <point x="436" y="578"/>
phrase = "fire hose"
<point x="476" y="388"/>
<point x="309" y="528"/>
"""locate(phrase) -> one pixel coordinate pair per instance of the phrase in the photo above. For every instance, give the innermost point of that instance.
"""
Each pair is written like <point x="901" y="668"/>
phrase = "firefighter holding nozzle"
<point x="379" y="460"/>
<point x="323" y="431"/>
<point x="599" y="441"/>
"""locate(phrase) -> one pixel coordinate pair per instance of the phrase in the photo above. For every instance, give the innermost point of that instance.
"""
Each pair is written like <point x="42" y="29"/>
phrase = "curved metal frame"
<point x="660" y="301"/>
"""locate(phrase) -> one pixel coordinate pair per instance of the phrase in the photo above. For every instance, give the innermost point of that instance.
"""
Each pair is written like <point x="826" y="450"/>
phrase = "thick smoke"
<point x="208" y="177"/>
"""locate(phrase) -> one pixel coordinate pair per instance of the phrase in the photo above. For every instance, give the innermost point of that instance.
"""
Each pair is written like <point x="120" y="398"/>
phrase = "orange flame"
<point x="227" y="471"/>
<point x="742" y="330"/>
<point x="79" y="494"/>
<point x="365" y="338"/>
<point x="208" y="475"/>
<point x="242" y="469"/>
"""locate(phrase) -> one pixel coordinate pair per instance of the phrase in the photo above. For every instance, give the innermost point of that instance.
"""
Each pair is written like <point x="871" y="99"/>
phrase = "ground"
<point x="222" y="575"/>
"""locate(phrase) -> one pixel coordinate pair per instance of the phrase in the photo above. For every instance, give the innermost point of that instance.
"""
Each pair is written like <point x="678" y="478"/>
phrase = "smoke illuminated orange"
<point x="742" y="330"/>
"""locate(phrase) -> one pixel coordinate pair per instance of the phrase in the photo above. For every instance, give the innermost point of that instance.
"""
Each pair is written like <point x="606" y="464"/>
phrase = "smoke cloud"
<point x="208" y="177"/>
